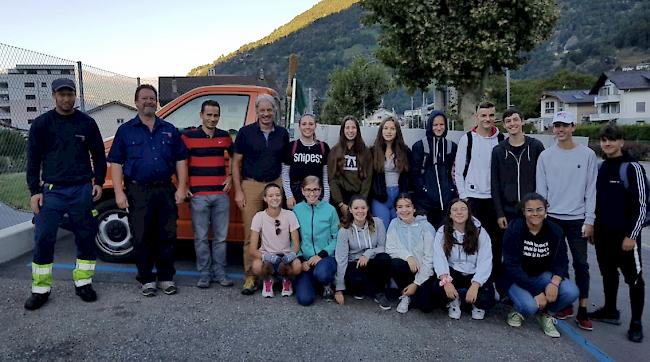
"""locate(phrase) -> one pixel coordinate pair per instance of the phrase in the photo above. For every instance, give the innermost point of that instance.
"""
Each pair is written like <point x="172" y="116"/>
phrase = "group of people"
<point x="460" y="226"/>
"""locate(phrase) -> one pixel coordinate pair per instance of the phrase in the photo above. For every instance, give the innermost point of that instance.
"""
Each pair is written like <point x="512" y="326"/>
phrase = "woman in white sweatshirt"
<point x="463" y="262"/>
<point x="409" y="242"/>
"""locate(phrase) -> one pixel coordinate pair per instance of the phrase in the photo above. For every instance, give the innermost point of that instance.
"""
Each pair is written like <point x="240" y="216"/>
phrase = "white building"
<point x="623" y="97"/>
<point x="25" y="92"/>
<point x="575" y="101"/>
<point x="111" y="115"/>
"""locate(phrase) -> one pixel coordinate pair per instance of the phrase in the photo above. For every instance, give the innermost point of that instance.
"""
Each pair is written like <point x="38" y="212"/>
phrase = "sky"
<point x="143" y="38"/>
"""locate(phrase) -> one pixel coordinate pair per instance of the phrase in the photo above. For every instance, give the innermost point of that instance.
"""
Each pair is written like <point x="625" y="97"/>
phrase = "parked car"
<point x="114" y="238"/>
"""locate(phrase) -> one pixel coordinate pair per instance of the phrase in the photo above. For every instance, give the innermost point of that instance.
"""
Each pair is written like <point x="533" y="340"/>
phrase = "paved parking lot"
<point x="221" y="323"/>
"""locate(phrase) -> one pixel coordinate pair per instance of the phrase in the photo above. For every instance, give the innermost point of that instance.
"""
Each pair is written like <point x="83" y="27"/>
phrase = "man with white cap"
<point x="566" y="177"/>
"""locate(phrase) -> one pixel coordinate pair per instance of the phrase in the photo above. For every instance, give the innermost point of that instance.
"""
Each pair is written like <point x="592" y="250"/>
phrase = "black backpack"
<point x="468" y="155"/>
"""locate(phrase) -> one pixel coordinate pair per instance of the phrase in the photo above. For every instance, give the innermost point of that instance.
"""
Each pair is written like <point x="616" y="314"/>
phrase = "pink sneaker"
<point x="287" y="288"/>
<point x="267" y="289"/>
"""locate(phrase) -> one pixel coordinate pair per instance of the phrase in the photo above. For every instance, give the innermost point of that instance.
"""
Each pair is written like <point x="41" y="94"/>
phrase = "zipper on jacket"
<point x="435" y="166"/>
<point x="313" y="244"/>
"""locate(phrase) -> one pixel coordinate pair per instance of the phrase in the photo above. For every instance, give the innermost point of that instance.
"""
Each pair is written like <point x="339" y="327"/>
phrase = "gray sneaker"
<point x="203" y="282"/>
<point x="149" y="289"/>
<point x="382" y="301"/>
<point x="225" y="282"/>
<point x="168" y="287"/>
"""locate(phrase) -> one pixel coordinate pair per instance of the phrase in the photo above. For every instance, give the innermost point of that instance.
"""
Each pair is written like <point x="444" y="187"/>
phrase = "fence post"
<point x="138" y="81"/>
<point x="82" y="101"/>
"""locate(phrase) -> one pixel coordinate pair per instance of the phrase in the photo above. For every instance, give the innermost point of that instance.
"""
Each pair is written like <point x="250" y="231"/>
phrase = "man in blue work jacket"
<point x="60" y="179"/>
<point x="146" y="152"/>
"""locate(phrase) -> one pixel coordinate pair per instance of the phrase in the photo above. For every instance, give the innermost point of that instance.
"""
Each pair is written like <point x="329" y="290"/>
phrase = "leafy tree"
<point x="356" y="90"/>
<point x="458" y="42"/>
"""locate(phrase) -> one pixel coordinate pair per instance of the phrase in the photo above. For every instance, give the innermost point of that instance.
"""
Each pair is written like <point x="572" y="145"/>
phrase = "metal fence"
<point x="25" y="92"/>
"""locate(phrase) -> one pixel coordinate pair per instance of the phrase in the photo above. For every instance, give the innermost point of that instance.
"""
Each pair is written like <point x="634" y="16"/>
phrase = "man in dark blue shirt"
<point x="259" y="150"/>
<point x="60" y="143"/>
<point x="146" y="152"/>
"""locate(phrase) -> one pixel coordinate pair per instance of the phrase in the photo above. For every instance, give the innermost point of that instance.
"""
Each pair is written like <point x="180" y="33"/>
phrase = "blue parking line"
<point x="132" y="270"/>
<point x="583" y="342"/>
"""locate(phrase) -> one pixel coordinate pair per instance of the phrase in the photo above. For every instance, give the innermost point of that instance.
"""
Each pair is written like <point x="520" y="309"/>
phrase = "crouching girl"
<point x="463" y="262"/>
<point x="536" y="267"/>
<point x="409" y="242"/>
<point x="277" y="229"/>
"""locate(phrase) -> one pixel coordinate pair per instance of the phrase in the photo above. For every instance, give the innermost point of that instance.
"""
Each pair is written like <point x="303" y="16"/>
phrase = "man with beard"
<point x="60" y="179"/>
<point x="146" y="152"/>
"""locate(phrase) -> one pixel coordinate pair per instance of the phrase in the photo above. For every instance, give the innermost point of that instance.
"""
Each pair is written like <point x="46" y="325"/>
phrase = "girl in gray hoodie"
<point x="463" y="262"/>
<point x="409" y="242"/>
<point x="362" y="265"/>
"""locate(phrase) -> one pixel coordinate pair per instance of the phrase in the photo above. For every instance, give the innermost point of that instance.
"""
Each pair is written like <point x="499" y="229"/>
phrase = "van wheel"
<point x="114" y="239"/>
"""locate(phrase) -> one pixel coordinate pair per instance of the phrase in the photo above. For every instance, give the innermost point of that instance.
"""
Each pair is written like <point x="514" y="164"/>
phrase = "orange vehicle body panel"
<point x="184" y="222"/>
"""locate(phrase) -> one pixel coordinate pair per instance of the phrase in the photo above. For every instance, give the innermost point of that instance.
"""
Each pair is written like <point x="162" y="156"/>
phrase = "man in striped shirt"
<point x="209" y="185"/>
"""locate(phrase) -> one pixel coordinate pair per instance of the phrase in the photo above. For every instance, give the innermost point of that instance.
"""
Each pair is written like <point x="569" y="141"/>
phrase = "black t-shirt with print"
<point x="306" y="160"/>
<point x="536" y="257"/>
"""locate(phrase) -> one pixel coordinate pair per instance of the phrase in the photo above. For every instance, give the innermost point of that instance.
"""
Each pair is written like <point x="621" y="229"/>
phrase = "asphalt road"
<point x="11" y="217"/>
<point x="220" y="323"/>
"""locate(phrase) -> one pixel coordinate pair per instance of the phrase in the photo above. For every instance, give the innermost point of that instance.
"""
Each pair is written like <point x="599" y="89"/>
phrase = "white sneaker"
<point x="478" y="313"/>
<point x="403" y="305"/>
<point x="267" y="289"/>
<point x="454" y="309"/>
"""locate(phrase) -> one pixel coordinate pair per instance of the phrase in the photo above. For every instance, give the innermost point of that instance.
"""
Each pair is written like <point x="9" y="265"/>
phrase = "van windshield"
<point x="233" y="112"/>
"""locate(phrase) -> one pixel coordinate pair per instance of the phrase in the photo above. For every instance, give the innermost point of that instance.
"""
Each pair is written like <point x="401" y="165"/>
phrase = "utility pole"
<point x="508" y="104"/>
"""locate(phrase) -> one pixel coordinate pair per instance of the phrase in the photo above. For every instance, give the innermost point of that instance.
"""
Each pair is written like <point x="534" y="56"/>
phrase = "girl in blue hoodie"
<point x="463" y="262"/>
<point x="318" y="229"/>
<point x="363" y="266"/>
<point x="409" y="242"/>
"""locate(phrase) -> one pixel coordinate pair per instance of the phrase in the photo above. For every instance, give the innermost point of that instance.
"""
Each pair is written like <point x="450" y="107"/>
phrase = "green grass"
<point x="14" y="191"/>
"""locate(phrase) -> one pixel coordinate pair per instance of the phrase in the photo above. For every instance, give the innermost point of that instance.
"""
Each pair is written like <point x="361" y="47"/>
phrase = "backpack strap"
<point x="468" y="154"/>
<point x="622" y="174"/>
<point x="425" y="147"/>
<point x="322" y="148"/>
<point x="294" y="147"/>
<point x="449" y="146"/>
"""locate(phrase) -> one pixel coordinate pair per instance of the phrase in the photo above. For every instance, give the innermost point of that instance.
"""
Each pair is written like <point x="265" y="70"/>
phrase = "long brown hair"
<point x="400" y="150"/>
<point x="470" y="239"/>
<point x="337" y="154"/>
<point x="349" y="219"/>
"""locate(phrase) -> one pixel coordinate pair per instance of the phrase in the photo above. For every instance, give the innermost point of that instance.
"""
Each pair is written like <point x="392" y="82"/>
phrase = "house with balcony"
<point x="575" y="101"/>
<point x="622" y="97"/>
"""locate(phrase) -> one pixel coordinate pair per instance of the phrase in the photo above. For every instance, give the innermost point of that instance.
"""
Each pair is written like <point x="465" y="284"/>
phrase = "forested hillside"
<point x="591" y="36"/>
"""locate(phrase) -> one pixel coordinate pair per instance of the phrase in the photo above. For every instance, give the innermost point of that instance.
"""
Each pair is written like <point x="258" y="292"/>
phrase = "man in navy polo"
<point x="60" y="179"/>
<point x="146" y="152"/>
<point x="259" y="150"/>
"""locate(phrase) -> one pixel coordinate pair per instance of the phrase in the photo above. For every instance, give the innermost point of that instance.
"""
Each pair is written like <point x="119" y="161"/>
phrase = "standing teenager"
<point x="390" y="163"/>
<point x="432" y="162"/>
<point x="349" y="166"/>
<point x="306" y="156"/>
<point x="566" y="177"/>
<point x="621" y="201"/>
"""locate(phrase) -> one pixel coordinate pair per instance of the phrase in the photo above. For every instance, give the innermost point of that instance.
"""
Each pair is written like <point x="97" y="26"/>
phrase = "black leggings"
<point x="484" y="298"/>
<point x="423" y="299"/>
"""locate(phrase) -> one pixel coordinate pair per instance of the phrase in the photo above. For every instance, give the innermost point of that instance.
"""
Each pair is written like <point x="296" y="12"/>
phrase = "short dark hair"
<point x="509" y="112"/>
<point x="484" y="105"/>
<point x="610" y="132"/>
<point x="145" y="86"/>
<point x="531" y="196"/>
<point x="211" y="103"/>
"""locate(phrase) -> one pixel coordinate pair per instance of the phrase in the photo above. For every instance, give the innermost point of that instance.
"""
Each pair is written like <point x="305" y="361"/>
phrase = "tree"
<point x="356" y="90"/>
<point x="458" y="42"/>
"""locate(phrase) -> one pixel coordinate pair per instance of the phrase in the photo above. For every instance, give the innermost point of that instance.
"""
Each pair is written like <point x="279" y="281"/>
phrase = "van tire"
<point x="114" y="240"/>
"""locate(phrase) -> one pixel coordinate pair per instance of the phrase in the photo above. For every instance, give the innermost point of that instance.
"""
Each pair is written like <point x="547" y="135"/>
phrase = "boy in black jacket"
<point x="514" y="162"/>
<point x="620" y="213"/>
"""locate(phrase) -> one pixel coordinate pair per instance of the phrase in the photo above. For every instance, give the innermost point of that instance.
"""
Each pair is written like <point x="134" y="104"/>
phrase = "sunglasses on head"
<point x="277" y="227"/>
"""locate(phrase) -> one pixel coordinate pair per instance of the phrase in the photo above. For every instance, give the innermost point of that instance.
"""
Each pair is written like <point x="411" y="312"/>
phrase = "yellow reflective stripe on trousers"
<point x="84" y="272"/>
<point x="41" y="278"/>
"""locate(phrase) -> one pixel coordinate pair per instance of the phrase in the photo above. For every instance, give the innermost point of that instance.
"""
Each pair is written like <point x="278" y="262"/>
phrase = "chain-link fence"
<point x="25" y="93"/>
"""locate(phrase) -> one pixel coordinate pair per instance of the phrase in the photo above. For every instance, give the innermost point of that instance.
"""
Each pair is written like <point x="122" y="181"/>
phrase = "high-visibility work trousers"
<point x="76" y="201"/>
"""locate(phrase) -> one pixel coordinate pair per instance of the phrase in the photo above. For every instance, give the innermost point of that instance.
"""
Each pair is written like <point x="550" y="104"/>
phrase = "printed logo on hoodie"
<point x="350" y="163"/>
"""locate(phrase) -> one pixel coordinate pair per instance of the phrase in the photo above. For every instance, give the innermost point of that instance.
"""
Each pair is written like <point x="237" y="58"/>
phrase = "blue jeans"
<point x="525" y="303"/>
<point x="386" y="210"/>
<point x="208" y="209"/>
<point x="323" y="273"/>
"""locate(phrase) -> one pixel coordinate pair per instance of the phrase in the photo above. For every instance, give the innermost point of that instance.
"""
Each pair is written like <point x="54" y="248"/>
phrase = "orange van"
<point x="114" y="239"/>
